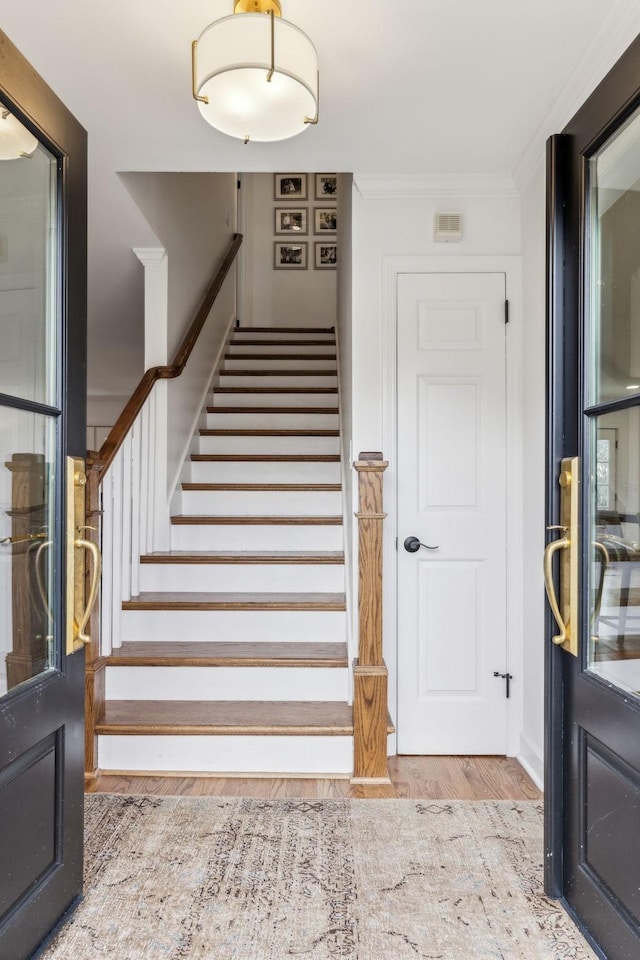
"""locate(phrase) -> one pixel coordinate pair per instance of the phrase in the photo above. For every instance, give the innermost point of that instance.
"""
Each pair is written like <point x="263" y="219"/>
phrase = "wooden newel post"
<point x="370" y="712"/>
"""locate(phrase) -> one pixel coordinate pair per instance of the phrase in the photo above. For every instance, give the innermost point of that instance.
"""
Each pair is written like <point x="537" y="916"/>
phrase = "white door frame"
<point x="511" y="266"/>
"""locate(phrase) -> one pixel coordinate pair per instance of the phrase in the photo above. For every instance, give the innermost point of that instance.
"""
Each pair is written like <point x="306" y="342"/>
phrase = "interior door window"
<point x="613" y="412"/>
<point x="29" y="404"/>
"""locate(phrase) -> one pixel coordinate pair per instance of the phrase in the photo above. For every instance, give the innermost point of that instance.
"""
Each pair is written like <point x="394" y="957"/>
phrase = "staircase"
<point x="234" y="657"/>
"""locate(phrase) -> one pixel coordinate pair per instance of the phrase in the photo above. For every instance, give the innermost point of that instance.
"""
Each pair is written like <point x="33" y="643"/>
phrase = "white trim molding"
<point x="511" y="267"/>
<point x="532" y="760"/>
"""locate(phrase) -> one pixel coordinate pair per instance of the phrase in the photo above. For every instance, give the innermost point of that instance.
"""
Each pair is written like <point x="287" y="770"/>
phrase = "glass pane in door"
<point x="615" y="267"/>
<point x="614" y="510"/>
<point x="28" y="245"/>
<point x="27" y="554"/>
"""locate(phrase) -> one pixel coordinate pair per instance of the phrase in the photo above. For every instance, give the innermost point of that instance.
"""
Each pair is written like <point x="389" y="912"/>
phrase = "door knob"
<point x="412" y="545"/>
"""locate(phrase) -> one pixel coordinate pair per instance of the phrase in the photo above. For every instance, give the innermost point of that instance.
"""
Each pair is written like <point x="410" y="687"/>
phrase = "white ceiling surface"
<point x="416" y="87"/>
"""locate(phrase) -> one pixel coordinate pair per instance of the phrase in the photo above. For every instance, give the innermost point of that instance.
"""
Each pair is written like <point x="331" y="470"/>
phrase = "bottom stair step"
<point x="226" y="717"/>
<point x="229" y="737"/>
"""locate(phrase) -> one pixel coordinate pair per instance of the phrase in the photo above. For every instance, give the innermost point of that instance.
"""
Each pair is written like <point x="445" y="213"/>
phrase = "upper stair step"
<point x="278" y="362"/>
<point x="259" y="572"/>
<point x="278" y="342"/>
<point x="300" y="442"/>
<point x="161" y="600"/>
<point x="255" y="533"/>
<point x="273" y="418"/>
<point x="277" y="351"/>
<point x="266" y="470"/>
<point x="179" y="653"/>
<point x="279" y="331"/>
<point x="272" y="396"/>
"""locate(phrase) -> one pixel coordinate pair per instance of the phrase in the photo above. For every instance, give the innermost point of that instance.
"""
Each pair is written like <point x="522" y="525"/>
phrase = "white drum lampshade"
<point x="255" y="77"/>
<point x="15" y="140"/>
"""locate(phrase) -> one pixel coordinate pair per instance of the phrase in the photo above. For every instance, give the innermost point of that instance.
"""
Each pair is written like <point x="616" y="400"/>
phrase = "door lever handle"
<point x="412" y="545"/>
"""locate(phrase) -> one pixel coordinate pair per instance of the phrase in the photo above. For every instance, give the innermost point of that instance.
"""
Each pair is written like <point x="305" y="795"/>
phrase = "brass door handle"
<point x="93" y="589"/>
<point x="562" y="544"/>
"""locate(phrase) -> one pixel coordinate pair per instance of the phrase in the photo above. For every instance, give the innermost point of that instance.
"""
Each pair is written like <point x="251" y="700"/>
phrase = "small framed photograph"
<point x="325" y="255"/>
<point x="326" y="186"/>
<point x="326" y="220"/>
<point x="290" y="186"/>
<point x="289" y="255"/>
<point x="291" y="220"/>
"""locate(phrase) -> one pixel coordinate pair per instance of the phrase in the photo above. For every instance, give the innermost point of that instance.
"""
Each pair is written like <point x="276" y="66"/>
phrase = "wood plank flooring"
<point x="413" y="778"/>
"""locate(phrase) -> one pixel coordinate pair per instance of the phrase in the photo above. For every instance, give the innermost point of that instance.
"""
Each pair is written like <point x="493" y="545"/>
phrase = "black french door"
<point x="42" y="425"/>
<point x="593" y="496"/>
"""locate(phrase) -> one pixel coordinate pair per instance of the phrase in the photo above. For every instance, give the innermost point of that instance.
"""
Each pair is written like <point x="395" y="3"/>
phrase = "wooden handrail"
<point x="135" y="403"/>
<point x="370" y="713"/>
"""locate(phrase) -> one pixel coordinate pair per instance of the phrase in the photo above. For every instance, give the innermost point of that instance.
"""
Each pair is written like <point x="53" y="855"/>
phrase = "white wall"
<point x="194" y="216"/>
<point x="281" y="298"/>
<point x="533" y="428"/>
<point x="393" y="221"/>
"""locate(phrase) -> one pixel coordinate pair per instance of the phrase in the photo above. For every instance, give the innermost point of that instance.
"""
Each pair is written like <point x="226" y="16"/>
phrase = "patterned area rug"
<point x="180" y="878"/>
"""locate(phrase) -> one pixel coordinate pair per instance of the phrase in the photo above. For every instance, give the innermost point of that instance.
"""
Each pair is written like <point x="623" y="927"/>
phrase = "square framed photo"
<point x="291" y="220"/>
<point x="289" y="255"/>
<point x="290" y="186"/>
<point x="326" y="186"/>
<point x="325" y="255"/>
<point x="325" y="220"/>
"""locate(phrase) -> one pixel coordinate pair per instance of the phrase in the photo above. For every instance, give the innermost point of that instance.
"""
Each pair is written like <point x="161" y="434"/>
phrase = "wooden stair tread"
<point x="149" y="653"/>
<point x="183" y="519"/>
<point x="266" y="457"/>
<point x="205" y="600"/>
<point x="321" y="390"/>
<point x="279" y="356"/>
<point x="285" y="487"/>
<point x="284" y="342"/>
<point x="244" y="556"/>
<point x="301" y="330"/>
<point x="272" y="410"/>
<point x="226" y="717"/>
<point x="279" y="373"/>
<point x="207" y="432"/>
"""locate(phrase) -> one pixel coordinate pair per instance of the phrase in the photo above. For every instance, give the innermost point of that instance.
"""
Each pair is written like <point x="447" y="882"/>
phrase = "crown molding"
<point x="440" y="186"/>
<point x="619" y="27"/>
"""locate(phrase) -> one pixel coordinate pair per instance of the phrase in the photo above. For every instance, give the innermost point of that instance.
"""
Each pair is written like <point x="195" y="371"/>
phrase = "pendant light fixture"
<point x="15" y="140"/>
<point x="255" y="75"/>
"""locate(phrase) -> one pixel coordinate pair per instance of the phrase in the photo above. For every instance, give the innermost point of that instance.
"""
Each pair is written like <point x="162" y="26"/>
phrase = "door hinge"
<point x="507" y="677"/>
<point x="506" y="311"/>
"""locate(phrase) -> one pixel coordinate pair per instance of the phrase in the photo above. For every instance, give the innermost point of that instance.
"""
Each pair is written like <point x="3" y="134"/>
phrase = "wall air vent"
<point x="447" y="227"/>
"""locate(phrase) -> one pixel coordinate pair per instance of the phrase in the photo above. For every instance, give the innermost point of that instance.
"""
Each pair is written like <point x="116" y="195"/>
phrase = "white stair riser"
<point x="227" y="683"/>
<point x="324" y="349"/>
<point x="262" y="363"/>
<point x="256" y="537"/>
<point x="250" y="626"/>
<point x="246" y="333"/>
<point x="278" y="380"/>
<point x="262" y="503"/>
<point x="275" y="400"/>
<point x="247" y="577"/>
<point x="275" y="755"/>
<point x="264" y="471"/>
<point x="271" y="445"/>
<point x="272" y="421"/>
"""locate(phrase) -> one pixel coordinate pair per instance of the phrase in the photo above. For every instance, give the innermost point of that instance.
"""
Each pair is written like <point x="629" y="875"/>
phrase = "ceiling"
<point x="415" y="87"/>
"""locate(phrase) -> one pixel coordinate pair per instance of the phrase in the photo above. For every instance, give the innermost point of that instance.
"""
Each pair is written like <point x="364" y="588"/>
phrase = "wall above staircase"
<point x="286" y="298"/>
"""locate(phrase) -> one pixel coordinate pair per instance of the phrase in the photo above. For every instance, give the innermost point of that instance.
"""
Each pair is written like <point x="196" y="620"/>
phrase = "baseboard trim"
<point x="530" y="757"/>
<point x="221" y="775"/>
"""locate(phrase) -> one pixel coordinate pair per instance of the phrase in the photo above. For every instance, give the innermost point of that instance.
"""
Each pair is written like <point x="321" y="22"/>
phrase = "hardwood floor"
<point x="414" y="778"/>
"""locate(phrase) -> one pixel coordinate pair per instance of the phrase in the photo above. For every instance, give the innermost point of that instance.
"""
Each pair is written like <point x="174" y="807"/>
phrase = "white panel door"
<point x="452" y="495"/>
